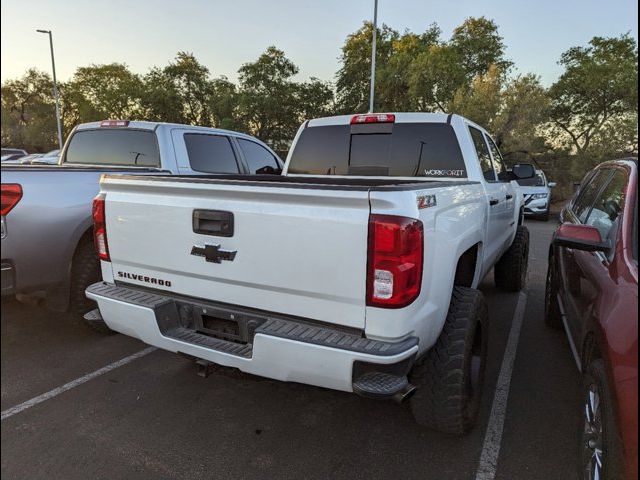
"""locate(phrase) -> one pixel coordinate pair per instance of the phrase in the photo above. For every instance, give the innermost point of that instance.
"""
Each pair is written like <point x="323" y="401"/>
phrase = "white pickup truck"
<point x="355" y="270"/>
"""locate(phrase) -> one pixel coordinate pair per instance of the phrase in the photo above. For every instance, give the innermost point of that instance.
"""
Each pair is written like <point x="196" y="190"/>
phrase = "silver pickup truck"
<point x="47" y="239"/>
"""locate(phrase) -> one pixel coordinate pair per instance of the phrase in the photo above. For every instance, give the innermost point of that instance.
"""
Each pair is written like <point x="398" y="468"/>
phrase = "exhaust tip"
<point x="404" y="394"/>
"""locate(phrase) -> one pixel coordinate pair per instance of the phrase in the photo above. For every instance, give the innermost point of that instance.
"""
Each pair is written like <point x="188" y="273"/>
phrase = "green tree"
<point x="223" y="103"/>
<point x="479" y="45"/>
<point x="597" y="92"/>
<point x="28" y="113"/>
<point x="99" y="92"/>
<point x="480" y="102"/>
<point x="353" y="77"/>
<point x="435" y="75"/>
<point x="314" y="99"/>
<point x="266" y="97"/>
<point x="518" y="127"/>
<point x="393" y="77"/>
<point x="179" y="92"/>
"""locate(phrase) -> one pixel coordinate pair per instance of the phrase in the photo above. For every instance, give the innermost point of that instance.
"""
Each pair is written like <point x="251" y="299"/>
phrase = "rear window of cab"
<point x="113" y="146"/>
<point x="396" y="150"/>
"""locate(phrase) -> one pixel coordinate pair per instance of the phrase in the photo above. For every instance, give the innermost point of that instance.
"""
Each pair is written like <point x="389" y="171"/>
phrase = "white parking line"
<point x="493" y="437"/>
<point x="74" y="383"/>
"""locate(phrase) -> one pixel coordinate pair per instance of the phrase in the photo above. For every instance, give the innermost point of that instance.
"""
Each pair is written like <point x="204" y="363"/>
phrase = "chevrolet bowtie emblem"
<point x="213" y="254"/>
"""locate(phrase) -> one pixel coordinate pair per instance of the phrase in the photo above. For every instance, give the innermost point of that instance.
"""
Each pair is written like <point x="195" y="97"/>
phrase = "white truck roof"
<point x="401" y="117"/>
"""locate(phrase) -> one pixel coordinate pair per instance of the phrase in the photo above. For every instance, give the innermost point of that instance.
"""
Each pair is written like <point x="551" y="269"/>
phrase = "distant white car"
<point x="537" y="195"/>
<point x="49" y="158"/>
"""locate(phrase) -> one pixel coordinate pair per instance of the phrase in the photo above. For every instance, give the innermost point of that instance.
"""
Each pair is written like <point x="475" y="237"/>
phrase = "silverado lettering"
<point x="144" y="278"/>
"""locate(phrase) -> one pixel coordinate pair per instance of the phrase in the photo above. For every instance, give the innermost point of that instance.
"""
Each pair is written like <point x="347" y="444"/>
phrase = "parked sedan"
<point x="592" y="290"/>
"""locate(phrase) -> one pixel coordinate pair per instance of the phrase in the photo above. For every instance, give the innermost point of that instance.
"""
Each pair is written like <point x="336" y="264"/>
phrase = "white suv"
<point x="537" y="195"/>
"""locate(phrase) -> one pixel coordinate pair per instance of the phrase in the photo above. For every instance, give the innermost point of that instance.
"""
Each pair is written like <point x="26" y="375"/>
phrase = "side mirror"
<point x="268" y="170"/>
<point x="523" y="171"/>
<point x="552" y="184"/>
<point x="580" y="237"/>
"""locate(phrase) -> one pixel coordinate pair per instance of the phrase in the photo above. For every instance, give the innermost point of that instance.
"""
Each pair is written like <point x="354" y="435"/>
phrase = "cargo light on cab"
<point x="373" y="118"/>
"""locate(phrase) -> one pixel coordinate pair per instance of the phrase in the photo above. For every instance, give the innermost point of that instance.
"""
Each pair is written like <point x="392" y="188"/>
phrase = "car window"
<point x="113" y="146"/>
<point x="396" y="150"/>
<point x="483" y="154"/>
<point x="588" y="193"/>
<point x="608" y="205"/>
<point x="256" y="155"/>
<point x="210" y="153"/>
<point x="537" y="181"/>
<point x="498" y="162"/>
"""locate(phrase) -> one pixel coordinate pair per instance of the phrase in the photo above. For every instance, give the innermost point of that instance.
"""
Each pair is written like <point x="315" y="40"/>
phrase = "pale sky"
<point x="225" y="34"/>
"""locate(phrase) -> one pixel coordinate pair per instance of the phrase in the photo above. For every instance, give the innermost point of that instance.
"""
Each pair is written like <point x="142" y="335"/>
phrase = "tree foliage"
<point x="590" y="113"/>
<point x="28" y="115"/>
<point x="597" y="93"/>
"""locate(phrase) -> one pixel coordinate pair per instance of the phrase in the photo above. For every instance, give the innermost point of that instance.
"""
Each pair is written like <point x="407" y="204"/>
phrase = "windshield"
<point x="111" y="146"/>
<point x="397" y="150"/>
<point x="537" y="181"/>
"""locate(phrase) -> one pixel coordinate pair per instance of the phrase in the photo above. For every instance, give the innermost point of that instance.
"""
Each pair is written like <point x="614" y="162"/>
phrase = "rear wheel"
<point x="600" y="452"/>
<point x="450" y="377"/>
<point x="510" y="273"/>
<point x="85" y="270"/>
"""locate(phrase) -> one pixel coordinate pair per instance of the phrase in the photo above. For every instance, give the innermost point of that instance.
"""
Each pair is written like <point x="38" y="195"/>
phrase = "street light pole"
<point x="55" y="87"/>
<point x="373" y="55"/>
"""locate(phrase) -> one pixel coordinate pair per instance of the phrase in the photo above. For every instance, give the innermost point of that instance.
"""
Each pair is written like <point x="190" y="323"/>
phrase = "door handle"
<point x="509" y="196"/>
<point x="493" y="201"/>
<point x="213" y="222"/>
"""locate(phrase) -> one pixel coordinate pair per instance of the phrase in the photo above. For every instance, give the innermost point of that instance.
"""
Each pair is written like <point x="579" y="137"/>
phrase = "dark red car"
<point x="592" y="291"/>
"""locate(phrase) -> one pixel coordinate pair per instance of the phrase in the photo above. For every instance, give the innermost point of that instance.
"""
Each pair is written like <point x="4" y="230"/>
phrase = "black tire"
<point x="602" y="432"/>
<point x="85" y="270"/>
<point x="450" y="377"/>
<point x="510" y="273"/>
<point x="552" y="315"/>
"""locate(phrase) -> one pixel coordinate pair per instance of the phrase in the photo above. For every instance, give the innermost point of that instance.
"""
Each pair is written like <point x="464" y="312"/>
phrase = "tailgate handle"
<point x="213" y="222"/>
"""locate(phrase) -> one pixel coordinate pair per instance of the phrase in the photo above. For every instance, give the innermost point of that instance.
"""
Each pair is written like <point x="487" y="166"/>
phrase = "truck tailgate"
<point x="298" y="251"/>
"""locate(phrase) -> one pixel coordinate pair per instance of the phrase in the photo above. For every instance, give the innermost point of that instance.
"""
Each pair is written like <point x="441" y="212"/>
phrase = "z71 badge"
<point x="426" y="201"/>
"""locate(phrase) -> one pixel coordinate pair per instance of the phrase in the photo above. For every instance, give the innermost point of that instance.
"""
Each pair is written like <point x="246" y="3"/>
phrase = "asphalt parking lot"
<point x="155" y="418"/>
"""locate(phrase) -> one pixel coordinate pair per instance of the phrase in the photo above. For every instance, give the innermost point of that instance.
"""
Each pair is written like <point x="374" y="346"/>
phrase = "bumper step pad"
<point x="379" y="385"/>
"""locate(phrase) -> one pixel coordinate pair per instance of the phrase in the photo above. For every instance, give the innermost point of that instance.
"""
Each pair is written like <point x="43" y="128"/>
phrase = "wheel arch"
<point x="467" y="269"/>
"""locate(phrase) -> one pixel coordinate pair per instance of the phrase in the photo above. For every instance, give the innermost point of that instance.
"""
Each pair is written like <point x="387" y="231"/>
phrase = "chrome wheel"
<point x="592" y="457"/>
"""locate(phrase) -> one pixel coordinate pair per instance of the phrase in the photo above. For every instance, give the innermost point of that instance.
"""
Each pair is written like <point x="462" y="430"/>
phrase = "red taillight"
<point x="100" y="228"/>
<point x="394" y="270"/>
<point x="373" y="118"/>
<point x="10" y="196"/>
<point x="114" y="123"/>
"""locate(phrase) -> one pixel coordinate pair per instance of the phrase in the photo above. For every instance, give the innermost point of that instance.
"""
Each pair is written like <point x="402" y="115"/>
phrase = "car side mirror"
<point x="580" y="237"/>
<point x="268" y="170"/>
<point x="523" y="171"/>
<point x="552" y="184"/>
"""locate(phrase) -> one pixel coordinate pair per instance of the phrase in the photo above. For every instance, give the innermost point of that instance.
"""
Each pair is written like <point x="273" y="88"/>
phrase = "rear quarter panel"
<point x="45" y="226"/>
<point x="451" y="227"/>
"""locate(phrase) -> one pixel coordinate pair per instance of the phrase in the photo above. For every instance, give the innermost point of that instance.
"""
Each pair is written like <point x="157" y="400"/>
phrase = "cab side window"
<point x="256" y="155"/>
<point x="210" y="153"/>
<point x="587" y="196"/>
<point x="608" y="206"/>
<point x="484" y="157"/>
<point x="498" y="161"/>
